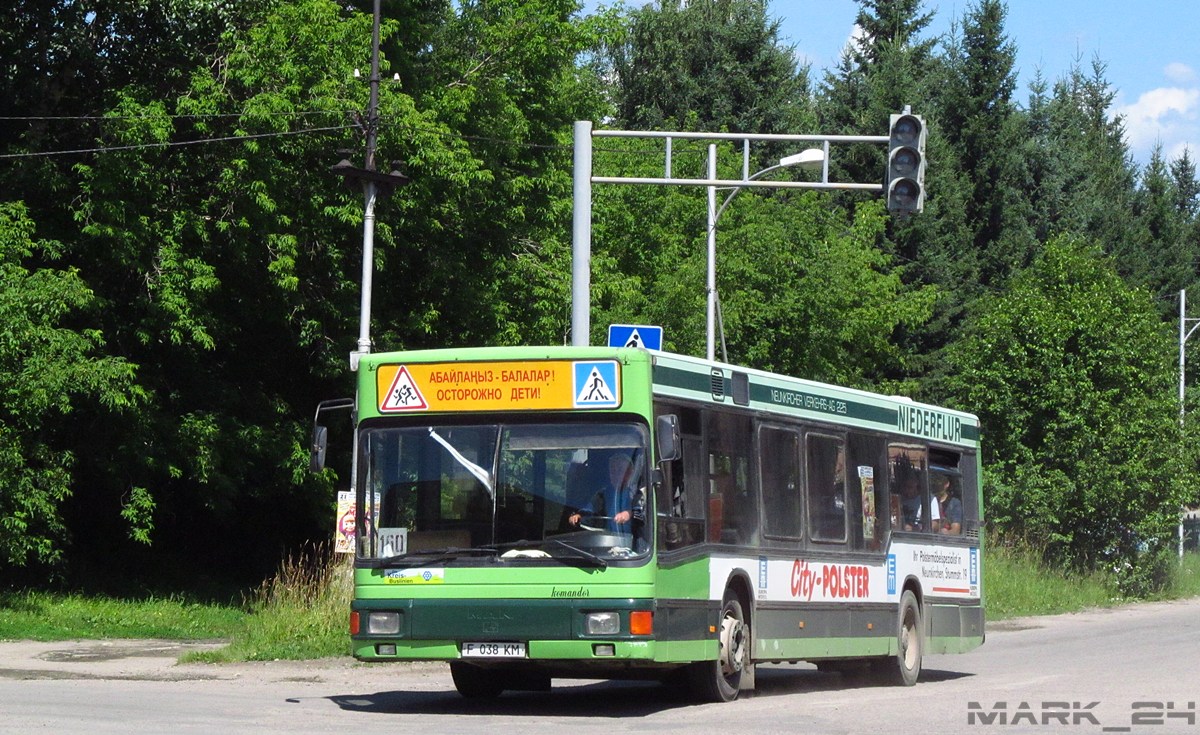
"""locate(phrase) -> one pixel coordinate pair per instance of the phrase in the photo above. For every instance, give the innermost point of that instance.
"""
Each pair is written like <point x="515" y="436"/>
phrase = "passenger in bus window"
<point x="951" y="506"/>
<point x="935" y="518"/>
<point x="911" y="502"/>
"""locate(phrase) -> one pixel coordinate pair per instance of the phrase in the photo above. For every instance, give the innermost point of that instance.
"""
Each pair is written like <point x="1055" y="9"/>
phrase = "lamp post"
<point x="1184" y="332"/>
<point x="810" y="158"/>
<point x="374" y="184"/>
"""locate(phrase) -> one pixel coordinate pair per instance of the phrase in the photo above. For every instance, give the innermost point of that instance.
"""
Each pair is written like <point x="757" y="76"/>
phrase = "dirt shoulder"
<point x="158" y="660"/>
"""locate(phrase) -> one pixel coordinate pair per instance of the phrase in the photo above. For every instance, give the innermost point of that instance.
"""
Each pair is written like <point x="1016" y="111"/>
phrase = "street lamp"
<point x="1185" y="331"/>
<point x="811" y="158"/>
<point x="374" y="183"/>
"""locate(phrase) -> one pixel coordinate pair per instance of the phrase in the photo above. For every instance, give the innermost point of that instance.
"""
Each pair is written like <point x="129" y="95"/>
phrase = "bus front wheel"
<point x="475" y="683"/>
<point x="721" y="680"/>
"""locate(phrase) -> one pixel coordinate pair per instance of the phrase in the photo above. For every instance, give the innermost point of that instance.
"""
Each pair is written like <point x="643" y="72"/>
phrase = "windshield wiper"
<point x="578" y="552"/>
<point x="431" y="556"/>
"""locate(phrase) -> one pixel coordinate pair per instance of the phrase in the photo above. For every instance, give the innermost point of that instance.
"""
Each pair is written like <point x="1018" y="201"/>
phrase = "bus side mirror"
<point x="320" y="434"/>
<point x="316" y="458"/>
<point x="667" y="437"/>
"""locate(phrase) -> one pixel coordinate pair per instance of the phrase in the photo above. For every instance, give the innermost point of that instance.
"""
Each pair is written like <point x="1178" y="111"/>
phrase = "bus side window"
<point x="907" y="469"/>
<point x="946" y="486"/>
<point x="827" y="488"/>
<point x="733" y="499"/>
<point x="681" y="500"/>
<point x="779" y="452"/>
<point x="869" y="510"/>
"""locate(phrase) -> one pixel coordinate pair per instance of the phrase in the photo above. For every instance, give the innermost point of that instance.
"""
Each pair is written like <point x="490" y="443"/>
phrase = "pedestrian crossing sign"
<point x="597" y="384"/>
<point x="635" y="335"/>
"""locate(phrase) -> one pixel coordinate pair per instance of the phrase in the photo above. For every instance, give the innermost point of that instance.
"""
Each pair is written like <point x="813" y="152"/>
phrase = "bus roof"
<point x="693" y="378"/>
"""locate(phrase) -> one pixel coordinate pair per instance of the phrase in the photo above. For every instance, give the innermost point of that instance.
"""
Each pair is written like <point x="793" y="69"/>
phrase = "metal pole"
<point x="369" y="196"/>
<point x="368" y="271"/>
<point x="711" y="282"/>
<point x="1183" y="335"/>
<point x="1185" y="332"/>
<point x="581" y="237"/>
<point x="1182" y="339"/>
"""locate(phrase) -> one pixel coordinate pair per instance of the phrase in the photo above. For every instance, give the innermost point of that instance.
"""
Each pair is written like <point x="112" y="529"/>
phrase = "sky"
<point x="1151" y="49"/>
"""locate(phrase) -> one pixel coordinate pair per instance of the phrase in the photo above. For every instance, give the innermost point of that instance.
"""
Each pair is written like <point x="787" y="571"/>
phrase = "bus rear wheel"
<point x="721" y="680"/>
<point x="905" y="667"/>
<point x="474" y="682"/>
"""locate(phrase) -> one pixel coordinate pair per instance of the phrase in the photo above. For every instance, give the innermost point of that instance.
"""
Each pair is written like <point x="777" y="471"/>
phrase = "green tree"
<point x="713" y="65"/>
<point x="885" y="67"/>
<point x="61" y="62"/>
<point x="51" y="364"/>
<point x="1069" y="370"/>
<point x="225" y="259"/>
<point x="978" y="117"/>
<point x="802" y="293"/>
<point x="1166" y="264"/>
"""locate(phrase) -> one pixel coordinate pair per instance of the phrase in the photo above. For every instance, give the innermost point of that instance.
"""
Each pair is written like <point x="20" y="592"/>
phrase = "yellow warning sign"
<point x="497" y="386"/>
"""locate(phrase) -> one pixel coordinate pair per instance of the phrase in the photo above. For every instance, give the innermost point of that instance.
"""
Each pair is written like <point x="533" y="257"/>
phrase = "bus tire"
<point x="905" y="668"/>
<point x="721" y="680"/>
<point x="475" y="683"/>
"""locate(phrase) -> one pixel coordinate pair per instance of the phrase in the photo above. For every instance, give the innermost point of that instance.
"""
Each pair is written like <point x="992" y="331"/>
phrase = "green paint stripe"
<point x="795" y="400"/>
<point x="817" y="403"/>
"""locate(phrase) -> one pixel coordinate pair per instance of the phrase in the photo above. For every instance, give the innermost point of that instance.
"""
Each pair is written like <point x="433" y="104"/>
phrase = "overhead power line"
<point x="171" y="144"/>
<point x="383" y="121"/>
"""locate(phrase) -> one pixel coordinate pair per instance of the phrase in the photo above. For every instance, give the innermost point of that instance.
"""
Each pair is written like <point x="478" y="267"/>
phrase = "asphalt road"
<point x="1130" y="669"/>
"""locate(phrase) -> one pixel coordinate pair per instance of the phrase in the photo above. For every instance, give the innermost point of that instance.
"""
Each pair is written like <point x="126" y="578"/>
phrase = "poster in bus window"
<point x="866" y="480"/>
<point x="343" y="535"/>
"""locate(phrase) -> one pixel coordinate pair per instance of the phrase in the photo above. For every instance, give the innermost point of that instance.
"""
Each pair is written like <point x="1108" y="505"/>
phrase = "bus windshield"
<point x="529" y="491"/>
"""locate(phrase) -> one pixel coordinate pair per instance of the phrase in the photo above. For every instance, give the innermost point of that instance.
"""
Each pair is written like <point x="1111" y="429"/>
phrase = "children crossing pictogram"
<point x="403" y="395"/>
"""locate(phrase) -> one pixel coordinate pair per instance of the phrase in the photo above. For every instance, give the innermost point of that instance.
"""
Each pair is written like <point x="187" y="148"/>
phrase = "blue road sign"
<point x="635" y="335"/>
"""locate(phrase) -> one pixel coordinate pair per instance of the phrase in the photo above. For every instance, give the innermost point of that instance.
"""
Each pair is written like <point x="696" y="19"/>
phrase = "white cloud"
<point x="1167" y="115"/>
<point x="1179" y="73"/>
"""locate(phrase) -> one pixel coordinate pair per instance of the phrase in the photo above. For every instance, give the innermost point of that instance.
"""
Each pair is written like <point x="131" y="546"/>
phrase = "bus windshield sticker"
<point x="596" y="385"/>
<point x="415" y="576"/>
<point x="544" y="385"/>
<point x="866" y="480"/>
<point x="393" y="541"/>
<point x="403" y="395"/>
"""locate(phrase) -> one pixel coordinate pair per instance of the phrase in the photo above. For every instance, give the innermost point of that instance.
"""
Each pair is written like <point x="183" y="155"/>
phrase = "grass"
<point x="301" y="612"/>
<point x="44" y="616"/>
<point x="1187" y="579"/>
<point x="1017" y="583"/>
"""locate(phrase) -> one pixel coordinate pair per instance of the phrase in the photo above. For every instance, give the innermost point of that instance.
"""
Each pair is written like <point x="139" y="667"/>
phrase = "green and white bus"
<point x="768" y="519"/>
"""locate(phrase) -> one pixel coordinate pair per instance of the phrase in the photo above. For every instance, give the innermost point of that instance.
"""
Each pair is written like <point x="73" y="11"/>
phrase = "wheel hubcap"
<point x="733" y="642"/>
<point x="908" y="644"/>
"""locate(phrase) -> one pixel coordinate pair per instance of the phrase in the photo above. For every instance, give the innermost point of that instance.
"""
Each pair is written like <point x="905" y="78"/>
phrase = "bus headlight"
<point x="602" y="623"/>
<point x="383" y="623"/>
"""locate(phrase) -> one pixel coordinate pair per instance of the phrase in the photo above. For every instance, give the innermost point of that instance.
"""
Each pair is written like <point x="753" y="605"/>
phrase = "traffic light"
<point x="905" y="183"/>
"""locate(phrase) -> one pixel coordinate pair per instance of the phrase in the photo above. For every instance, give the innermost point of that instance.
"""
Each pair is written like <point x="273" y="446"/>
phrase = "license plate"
<point x="493" y="650"/>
